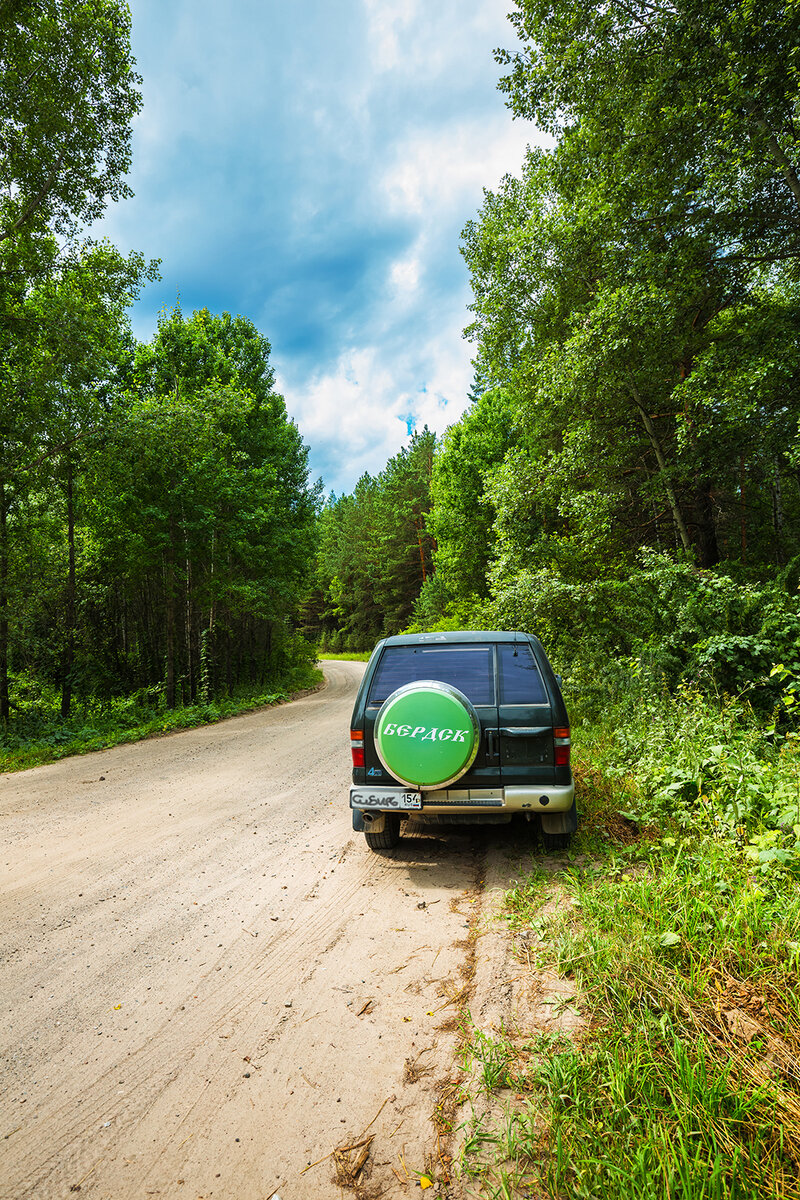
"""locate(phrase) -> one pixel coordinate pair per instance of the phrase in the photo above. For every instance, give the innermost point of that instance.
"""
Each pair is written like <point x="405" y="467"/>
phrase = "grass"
<point x="350" y="656"/>
<point x="39" y="735"/>
<point x="684" y="949"/>
<point x="687" y="1085"/>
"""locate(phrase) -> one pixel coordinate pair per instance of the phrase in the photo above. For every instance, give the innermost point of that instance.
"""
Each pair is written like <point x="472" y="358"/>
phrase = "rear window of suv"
<point x="520" y="681"/>
<point x="469" y="668"/>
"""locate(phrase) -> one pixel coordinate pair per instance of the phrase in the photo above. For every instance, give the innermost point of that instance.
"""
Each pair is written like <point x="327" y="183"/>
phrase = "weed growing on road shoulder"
<point x="676" y="918"/>
<point x="505" y="1140"/>
<point x="686" y="1083"/>
<point x="695" y="762"/>
<point x="684" y="951"/>
<point x="41" y="736"/>
<point x="352" y="656"/>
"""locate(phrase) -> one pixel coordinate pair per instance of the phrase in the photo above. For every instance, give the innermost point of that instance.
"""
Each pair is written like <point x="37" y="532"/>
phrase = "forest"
<point x="157" y="524"/>
<point x="631" y="447"/>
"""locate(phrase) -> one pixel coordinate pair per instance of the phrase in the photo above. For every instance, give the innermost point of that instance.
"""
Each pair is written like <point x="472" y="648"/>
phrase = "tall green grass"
<point x="687" y="1081"/>
<point x="698" y="762"/>
<point x="347" y="656"/>
<point x="38" y="734"/>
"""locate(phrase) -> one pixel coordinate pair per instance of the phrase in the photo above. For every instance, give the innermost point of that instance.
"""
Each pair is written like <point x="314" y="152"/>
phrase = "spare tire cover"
<point x="427" y="734"/>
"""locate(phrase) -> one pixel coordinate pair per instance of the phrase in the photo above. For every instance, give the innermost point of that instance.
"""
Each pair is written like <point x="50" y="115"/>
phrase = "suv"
<point x="464" y="728"/>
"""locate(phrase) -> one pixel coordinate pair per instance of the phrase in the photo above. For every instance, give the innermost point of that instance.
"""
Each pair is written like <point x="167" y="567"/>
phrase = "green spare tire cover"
<point x="427" y="734"/>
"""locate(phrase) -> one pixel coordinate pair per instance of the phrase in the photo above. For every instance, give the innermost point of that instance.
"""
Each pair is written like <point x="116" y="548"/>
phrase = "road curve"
<point x="209" y="982"/>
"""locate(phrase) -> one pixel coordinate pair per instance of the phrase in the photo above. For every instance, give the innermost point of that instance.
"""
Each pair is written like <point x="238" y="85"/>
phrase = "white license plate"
<point x="384" y="798"/>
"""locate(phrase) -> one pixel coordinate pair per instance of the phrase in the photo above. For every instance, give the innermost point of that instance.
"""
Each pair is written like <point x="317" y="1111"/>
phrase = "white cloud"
<point x="435" y="170"/>
<point x="356" y="414"/>
<point x="431" y="40"/>
<point x="352" y="415"/>
<point x="404" y="275"/>
<point x="387" y="21"/>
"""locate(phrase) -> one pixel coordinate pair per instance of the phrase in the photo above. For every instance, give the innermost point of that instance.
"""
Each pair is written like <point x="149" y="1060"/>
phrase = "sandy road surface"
<point x="208" y="981"/>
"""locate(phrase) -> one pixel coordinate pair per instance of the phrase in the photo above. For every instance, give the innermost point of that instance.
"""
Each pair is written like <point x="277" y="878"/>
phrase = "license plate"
<point x="384" y="798"/>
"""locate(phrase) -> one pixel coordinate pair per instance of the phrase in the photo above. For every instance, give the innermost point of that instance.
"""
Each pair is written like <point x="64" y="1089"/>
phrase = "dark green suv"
<point x="463" y="727"/>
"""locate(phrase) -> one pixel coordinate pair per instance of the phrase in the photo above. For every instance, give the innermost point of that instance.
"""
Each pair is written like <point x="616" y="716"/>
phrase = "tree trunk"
<point x="169" y="599"/>
<point x="267" y="653"/>
<point x="780" y="158"/>
<point x="742" y="509"/>
<point x="69" y="606"/>
<point x="189" y="634"/>
<point x="777" y="513"/>
<point x="704" y="521"/>
<point x="421" y="554"/>
<point x="655" y="442"/>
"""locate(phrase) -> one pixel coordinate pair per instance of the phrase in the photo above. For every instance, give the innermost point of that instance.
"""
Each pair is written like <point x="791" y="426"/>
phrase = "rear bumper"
<point x="553" y="799"/>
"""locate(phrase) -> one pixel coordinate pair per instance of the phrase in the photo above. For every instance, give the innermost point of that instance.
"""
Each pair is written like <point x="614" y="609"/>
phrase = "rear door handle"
<point x="524" y="731"/>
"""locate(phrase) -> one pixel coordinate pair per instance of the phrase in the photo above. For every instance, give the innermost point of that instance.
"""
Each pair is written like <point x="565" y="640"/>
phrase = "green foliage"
<point x="625" y="480"/>
<point x="684" y="761"/>
<point x="171" y="533"/>
<point x="40" y="735"/>
<point x="689" y="968"/>
<point x="188" y="354"/>
<point x="199" y="501"/>
<point x="375" y="553"/>
<point x="720" y="630"/>
<point x="66" y="350"/>
<point x="635" y="289"/>
<point x="676" y="922"/>
<point x="347" y="656"/>
<point x="462" y="516"/>
<point x="68" y="95"/>
<point x="688" y="106"/>
<point x="652" y="410"/>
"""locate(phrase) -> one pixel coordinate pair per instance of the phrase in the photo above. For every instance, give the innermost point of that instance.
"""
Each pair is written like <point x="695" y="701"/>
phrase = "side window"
<point x="520" y="680"/>
<point x="469" y="668"/>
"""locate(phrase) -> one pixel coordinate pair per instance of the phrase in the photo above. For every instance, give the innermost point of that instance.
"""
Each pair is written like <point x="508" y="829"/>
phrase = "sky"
<point x="311" y="166"/>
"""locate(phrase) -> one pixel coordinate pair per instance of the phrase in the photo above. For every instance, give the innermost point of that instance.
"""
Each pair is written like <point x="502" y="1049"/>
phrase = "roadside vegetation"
<point x="41" y="735"/>
<point x="676" y="919"/>
<point x="350" y="656"/>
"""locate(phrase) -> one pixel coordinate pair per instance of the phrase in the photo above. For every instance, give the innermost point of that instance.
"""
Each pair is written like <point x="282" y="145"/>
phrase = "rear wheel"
<point x="557" y="828"/>
<point x="388" y="837"/>
<point x="556" y="841"/>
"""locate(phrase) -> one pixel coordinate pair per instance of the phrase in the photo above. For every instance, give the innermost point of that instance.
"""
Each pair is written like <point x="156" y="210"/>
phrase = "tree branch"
<point x="51" y="450"/>
<point x="35" y="201"/>
<point x="780" y="157"/>
<point x="655" y="442"/>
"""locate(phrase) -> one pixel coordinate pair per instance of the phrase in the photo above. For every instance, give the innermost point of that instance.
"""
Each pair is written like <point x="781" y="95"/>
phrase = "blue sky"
<point x="311" y="166"/>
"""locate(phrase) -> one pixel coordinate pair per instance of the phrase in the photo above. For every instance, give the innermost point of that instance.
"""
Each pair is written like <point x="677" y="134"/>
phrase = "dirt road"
<point x="209" y="982"/>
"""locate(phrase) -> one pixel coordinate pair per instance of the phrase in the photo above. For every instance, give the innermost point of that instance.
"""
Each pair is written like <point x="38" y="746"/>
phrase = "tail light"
<point x="561" y="746"/>
<point x="357" y="747"/>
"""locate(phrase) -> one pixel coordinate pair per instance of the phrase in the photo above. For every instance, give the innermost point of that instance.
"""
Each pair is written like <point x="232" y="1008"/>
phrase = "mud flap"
<point x="560" y="822"/>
